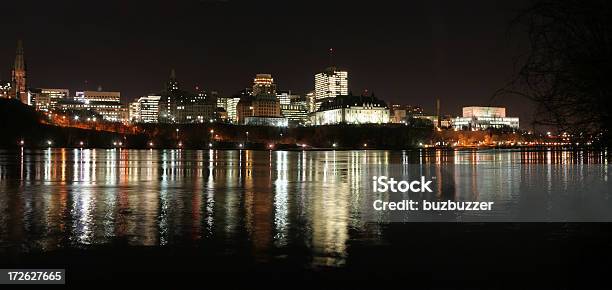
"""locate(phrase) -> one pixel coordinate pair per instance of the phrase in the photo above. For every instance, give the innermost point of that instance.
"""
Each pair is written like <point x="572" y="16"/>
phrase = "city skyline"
<point x="422" y="58"/>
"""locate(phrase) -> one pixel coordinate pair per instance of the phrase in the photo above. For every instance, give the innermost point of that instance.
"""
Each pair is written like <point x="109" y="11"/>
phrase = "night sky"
<point x="461" y="51"/>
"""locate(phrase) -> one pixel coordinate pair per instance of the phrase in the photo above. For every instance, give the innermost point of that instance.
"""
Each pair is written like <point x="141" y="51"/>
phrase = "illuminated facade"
<point x="311" y="102"/>
<point x="134" y="112"/>
<point x="266" y="121"/>
<point x="257" y="106"/>
<point x="98" y="96"/>
<point x="145" y="110"/>
<point x="284" y="97"/>
<point x="45" y="99"/>
<point x="330" y="83"/>
<point x="110" y="111"/>
<point x="480" y="118"/>
<point x="229" y="104"/>
<point x="296" y="113"/>
<point x="351" y="110"/>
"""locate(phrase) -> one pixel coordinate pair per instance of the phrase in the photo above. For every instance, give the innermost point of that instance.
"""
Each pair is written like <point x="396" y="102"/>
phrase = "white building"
<point x="351" y="110"/>
<point x="98" y="96"/>
<point x="329" y="84"/>
<point x="229" y="104"/>
<point x="145" y="110"/>
<point x="479" y="118"/>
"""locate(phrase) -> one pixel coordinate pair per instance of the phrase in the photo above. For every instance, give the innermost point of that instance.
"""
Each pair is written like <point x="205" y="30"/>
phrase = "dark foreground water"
<point x="292" y="219"/>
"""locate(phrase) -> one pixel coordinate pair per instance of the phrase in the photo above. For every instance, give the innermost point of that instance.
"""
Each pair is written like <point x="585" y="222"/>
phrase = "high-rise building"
<point x="18" y="83"/>
<point x="263" y="84"/>
<point x="330" y="83"/>
<point x="149" y="109"/>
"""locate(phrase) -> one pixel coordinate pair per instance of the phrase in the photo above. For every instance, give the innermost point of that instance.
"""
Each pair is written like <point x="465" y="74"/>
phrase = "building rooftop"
<point x="351" y="101"/>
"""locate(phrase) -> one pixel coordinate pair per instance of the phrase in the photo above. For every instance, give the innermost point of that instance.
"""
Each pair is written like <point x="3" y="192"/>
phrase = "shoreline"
<point x="283" y="147"/>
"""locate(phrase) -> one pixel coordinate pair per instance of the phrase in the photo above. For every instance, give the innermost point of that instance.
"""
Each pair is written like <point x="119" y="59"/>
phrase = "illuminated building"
<point x="145" y="109"/>
<point x="284" y="97"/>
<point x="263" y="84"/>
<point x="351" y="110"/>
<point x="110" y="111"/>
<point x="18" y="81"/>
<point x="266" y="121"/>
<point x="229" y="104"/>
<point x="45" y="99"/>
<point x="296" y="113"/>
<point x="257" y="106"/>
<point x="149" y="109"/>
<point x="134" y="112"/>
<point x="311" y="101"/>
<point x="98" y="96"/>
<point x="330" y="83"/>
<point x="479" y="118"/>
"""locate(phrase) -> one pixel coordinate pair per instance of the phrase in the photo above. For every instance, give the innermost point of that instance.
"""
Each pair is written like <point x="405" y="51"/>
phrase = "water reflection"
<point x="267" y="200"/>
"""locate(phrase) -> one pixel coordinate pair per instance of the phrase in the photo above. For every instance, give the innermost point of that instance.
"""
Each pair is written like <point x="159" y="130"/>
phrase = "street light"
<point x="49" y="142"/>
<point x="81" y="143"/>
<point x="21" y="142"/>
<point x="335" y="145"/>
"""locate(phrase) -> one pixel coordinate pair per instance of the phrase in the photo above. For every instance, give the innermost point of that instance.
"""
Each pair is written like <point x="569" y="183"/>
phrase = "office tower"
<point x="330" y="83"/>
<point x="263" y="84"/>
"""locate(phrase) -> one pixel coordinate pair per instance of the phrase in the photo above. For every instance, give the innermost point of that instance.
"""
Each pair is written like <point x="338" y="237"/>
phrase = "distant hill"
<point x="17" y="121"/>
<point x="21" y="122"/>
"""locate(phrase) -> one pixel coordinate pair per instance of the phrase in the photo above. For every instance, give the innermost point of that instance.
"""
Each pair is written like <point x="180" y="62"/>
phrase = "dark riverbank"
<point x="428" y="255"/>
<point x="25" y="124"/>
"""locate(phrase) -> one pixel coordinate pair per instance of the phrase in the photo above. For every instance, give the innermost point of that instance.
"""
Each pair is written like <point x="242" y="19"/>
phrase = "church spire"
<point x="19" y="75"/>
<point x="19" y="62"/>
<point x="172" y="84"/>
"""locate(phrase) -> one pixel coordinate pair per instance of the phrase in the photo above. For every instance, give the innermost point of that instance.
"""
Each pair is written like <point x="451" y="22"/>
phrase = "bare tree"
<point x="568" y="70"/>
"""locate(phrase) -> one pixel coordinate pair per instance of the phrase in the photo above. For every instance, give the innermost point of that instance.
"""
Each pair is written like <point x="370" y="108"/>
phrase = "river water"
<point x="300" y="209"/>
